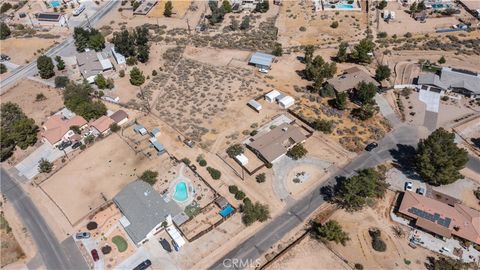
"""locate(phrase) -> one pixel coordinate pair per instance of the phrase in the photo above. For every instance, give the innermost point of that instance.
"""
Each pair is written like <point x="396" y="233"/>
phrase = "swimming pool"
<point x="55" y="3"/>
<point x="344" y="6"/>
<point x="181" y="192"/>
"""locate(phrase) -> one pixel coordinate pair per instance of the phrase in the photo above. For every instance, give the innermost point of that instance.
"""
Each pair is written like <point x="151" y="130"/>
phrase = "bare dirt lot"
<point x="309" y="254"/>
<point x="359" y="248"/>
<point x="96" y="175"/>
<point x="298" y="25"/>
<point x="21" y="50"/>
<point x="10" y="249"/>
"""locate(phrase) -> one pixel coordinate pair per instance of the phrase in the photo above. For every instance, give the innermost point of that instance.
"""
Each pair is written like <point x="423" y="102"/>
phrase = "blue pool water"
<point x="226" y="211"/>
<point x="438" y="6"/>
<point x="55" y="3"/>
<point x="345" y="6"/>
<point x="181" y="192"/>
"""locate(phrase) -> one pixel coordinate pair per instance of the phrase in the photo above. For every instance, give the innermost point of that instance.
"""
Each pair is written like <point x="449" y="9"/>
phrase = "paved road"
<point x="54" y="255"/>
<point x="247" y="252"/>
<point x="31" y="68"/>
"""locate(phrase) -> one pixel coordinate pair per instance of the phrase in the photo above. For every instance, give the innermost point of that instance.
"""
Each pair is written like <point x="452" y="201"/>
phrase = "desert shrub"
<point x="106" y="249"/>
<point x="44" y="166"/>
<point x="297" y="151"/>
<point x="202" y="162"/>
<point x="334" y="24"/>
<point x="260" y="178"/>
<point x="358" y="266"/>
<point x="40" y="97"/>
<point x="92" y="225"/>
<point x="149" y="177"/>
<point x="186" y="161"/>
<point x="239" y="195"/>
<point x="235" y="150"/>
<point x="232" y="189"/>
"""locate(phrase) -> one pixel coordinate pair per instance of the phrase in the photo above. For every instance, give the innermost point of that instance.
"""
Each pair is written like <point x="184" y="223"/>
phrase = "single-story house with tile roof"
<point x="350" y="79"/>
<point x="120" y="117"/>
<point x="57" y="128"/>
<point x="456" y="80"/>
<point x="440" y="218"/>
<point x="102" y="125"/>
<point x="262" y="60"/>
<point x="143" y="210"/>
<point x="274" y="144"/>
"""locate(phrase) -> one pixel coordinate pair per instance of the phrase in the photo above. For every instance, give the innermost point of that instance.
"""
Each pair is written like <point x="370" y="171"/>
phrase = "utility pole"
<point x="88" y="20"/>
<point x="188" y="25"/>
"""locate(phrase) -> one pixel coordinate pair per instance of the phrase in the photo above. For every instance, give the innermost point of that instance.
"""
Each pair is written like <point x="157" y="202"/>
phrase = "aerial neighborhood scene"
<point x="240" y="134"/>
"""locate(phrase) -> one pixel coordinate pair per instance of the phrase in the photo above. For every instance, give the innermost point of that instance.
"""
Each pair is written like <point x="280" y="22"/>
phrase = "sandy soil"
<point x="12" y="233"/>
<point x="21" y="50"/>
<point x="359" y="248"/>
<point x="179" y="9"/>
<point x="99" y="172"/>
<point x="296" y="14"/>
<point x="309" y="254"/>
<point x="24" y="94"/>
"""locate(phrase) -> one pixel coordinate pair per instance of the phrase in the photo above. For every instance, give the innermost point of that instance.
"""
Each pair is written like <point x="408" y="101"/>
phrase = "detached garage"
<point x="271" y="96"/>
<point x="255" y="105"/>
<point x="286" y="102"/>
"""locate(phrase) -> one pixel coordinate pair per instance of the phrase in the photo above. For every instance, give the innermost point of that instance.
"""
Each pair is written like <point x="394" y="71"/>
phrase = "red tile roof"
<point x="56" y="127"/>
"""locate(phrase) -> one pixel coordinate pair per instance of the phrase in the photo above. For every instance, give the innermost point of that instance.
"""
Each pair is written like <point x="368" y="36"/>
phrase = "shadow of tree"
<point x="404" y="160"/>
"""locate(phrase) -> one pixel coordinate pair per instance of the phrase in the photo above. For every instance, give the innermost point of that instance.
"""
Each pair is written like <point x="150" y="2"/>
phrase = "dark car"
<point x="95" y="255"/>
<point x="82" y="235"/>
<point x="64" y="145"/>
<point x="371" y="146"/>
<point x="4" y="57"/>
<point x="76" y="145"/>
<point x="144" y="265"/>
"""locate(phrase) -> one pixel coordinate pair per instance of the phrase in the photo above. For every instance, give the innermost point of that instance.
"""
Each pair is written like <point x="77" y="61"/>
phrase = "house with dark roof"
<point x="143" y="210"/>
<point x="350" y="79"/>
<point x="272" y="145"/>
<point x="120" y="117"/>
<point x="442" y="218"/>
<point x="455" y="80"/>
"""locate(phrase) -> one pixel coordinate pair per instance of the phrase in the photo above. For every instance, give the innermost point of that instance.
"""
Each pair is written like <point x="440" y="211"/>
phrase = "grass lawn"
<point x="120" y="243"/>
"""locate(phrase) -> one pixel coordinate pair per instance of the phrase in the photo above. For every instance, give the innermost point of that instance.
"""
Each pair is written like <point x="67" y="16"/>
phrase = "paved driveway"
<point x="431" y="99"/>
<point x="29" y="166"/>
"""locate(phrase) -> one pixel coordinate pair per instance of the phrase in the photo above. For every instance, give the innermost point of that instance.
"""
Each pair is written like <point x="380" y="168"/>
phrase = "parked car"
<point x="82" y="235"/>
<point x="408" y="186"/>
<point x="412" y="245"/>
<point x="144" y="265"/>
<point x="76" y="145"/>
<point x="79" y="10"/>
<point x="64" y="145"/>
<point x="421" y="191"/>
<point x="189" y="143"/>
<point x="95" y="255"/>
<point x="4" y="57"/>
<point x="263" y="70"/>
<point x="371" y="146"/>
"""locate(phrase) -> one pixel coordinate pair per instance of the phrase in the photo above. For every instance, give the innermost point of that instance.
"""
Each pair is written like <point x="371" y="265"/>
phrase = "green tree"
<point x="81" y="39"/>
<point x="309" y="49"/>
<point x="15" y="129"/>
<point x="382" y="72"/>
<point x="76" y="129"/>
<point x="277" y="49"/>
<point x="88" y="38"/>
<point x="3" y="68"/>
<point x="143" y="53"/>
<point x="227" y="6"/>
<point x="365" y="92"/>
<point x="421" y="6"/>
<point x="60" y="62"/>
<point x="413" y="7"/>
<point x="114" y="127"/>
<point x="442" y="60"/>
<point x="124" y="43"/>
<point x="262" y="6"/>
<point x="214" y="173"/>
<point x="45" y="67"/>
<point x="340" y="101"/>
<point x="168" y="9"/>
<point x="382" y="4"/>
<point x="5" y="7"/>
<point x="319" y="70"/>
<point x="136" y="77"/>
<point x="324" y="126"/>
<point x="149" y="176"/>
<point x="61" y="81"/>
<point x="342" y="55"/>
<point x="327" y="91"/>
<point x="366" y="111"/>
<point x="235" y="150"/>
<point x="100" y="81"/>
<point x="260" y="177"/>
<point x="217" y="13"/>
<point x="331" y="231"/>
<point x="334" y="25"/>
<point x="355" y="192"/>
<point x="439" y="159"/>
<point x="442" y="263"/>
<point x="96" y="41"/>
<point x="297" y="151"/>
<point x="245" y="23"/>
<point x="77" y="98"/>
<point x="4" y="31"/>
<point x="44" y="166"/>
<point x="254" y="212"/>
<point x="361" y="52"/>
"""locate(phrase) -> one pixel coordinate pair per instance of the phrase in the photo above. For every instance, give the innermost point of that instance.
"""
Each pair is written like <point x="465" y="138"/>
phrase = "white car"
<point x="263" y="70"/>
<point x="79" y="10"/>
<point x="408" y="186"/>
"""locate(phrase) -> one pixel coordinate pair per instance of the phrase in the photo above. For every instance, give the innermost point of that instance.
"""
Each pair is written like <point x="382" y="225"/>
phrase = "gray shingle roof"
<point x="451" y="78"/>
<point x="144" y="208"/>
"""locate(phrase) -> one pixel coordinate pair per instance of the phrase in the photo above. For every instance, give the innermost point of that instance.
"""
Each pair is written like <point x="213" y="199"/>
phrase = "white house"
<point x="286" y="102"/>
<point x="270" y="97"/>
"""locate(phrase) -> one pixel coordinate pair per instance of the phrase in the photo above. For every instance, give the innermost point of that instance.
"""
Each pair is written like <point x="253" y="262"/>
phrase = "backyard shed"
<point x="221" y="202"/>
<point x="155" y="132"/>
<point x="157" y="145"/>
<point x="255" y="105"/>
<point x="286" y="102"/>
<point x="140" y="129"/>
<point x="262" y="60"/>
<point x="118" y="57"/>
<point x="270" y="97"/>
<point x="242" y="159"/>
<point x="279" y="97"/>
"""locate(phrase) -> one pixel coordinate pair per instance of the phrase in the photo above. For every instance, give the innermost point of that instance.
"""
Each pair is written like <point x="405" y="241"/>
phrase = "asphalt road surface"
<point x="31" y="68"/>
<point x="245" y="254"/>
<point x="53" y="254"/>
